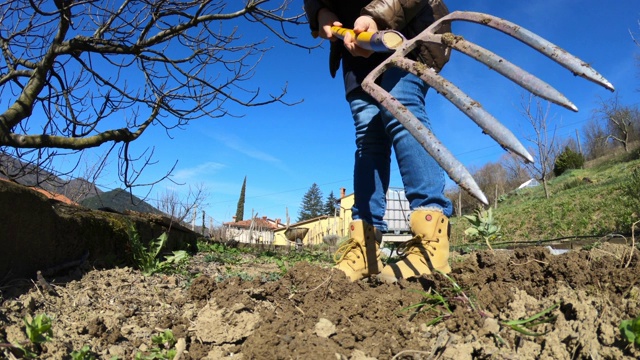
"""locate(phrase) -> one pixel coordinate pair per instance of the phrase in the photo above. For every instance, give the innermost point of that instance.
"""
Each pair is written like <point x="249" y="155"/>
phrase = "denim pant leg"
<point x="423" y="178"/>
<point x="372" y="160"/>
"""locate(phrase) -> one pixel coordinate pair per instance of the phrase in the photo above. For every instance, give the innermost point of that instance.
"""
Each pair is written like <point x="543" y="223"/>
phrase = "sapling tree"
<point x="543" y="139"/>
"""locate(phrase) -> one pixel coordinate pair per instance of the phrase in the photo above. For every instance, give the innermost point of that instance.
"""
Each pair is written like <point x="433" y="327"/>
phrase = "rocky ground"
<point x="253" y="311"/>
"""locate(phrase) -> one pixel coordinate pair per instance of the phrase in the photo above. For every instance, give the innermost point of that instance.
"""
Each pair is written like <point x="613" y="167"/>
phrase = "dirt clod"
<point x="316" y="313"/>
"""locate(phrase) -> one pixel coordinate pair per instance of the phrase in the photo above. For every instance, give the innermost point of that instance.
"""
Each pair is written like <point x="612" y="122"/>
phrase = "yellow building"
<point x="316" y="231"/>
<point x="324" y="229"/>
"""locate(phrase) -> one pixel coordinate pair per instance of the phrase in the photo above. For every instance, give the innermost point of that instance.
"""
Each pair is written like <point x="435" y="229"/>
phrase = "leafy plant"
<point x="83" y="354"/>
<point x="483" y="226"/>
<point x="630" y="330"/>
<point x="39" y="329"/>
<point x="222" y="254"/>
<point x="146" y="259"/>
<point x="165" y="343"/>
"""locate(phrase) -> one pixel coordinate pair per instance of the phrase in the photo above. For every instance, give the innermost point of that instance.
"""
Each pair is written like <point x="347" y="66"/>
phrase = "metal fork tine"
<point x="552" y="51"/>
<point x="456" y="171"/>
<point x="508" y="69"/>
<point x="470" y="107"/>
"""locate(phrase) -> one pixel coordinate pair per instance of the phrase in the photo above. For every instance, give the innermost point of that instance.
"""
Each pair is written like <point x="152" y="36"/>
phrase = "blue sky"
<point x="283" y="150"/>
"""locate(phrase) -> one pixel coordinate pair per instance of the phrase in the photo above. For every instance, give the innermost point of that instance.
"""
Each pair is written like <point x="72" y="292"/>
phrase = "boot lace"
<point x="350" y="246"/>
<point x="417" y="245"/>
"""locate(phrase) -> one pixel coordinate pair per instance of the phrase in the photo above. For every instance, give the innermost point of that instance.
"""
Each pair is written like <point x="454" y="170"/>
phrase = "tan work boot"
<point x="427" y="251"/>
<point x="359" y="257"/>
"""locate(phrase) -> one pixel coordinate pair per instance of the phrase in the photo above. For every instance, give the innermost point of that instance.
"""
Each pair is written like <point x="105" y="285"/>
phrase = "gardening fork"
<point x="456" y="171"/>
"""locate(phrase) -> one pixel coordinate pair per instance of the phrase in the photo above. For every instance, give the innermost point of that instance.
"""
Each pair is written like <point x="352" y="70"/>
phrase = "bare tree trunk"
<point x="544" y="141"/>
<point x="545" y="187"/>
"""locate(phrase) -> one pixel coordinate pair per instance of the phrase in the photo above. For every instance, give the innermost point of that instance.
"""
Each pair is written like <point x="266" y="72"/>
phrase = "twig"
<point x="37" y="288"/>
<point x="633" y="243"/>
<point x="181" y="346"/>
<point x="609" y="253"/>
<point x="310" y="290"/>
<point x="410" y="352"/>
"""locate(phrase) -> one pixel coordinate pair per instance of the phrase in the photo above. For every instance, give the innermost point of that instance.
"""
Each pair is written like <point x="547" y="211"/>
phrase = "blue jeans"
<point x="376" y="132"/>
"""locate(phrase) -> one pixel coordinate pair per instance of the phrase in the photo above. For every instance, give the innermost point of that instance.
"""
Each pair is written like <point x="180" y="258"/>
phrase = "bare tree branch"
<point x="79" y="74"/>
<point x="622" y="121"/>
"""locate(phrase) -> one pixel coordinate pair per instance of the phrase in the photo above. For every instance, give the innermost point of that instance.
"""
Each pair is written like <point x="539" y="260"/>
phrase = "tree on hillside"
<point x="79" y="74"/>
<point x="240" y="208"/>
<point x="622" y="121"/>
<point x="566" y="160"/>
<point x="516" y="170"/>
<point x="492" y="179"/>
<point x="544" y="140"/>
<point x="595" y="139"/>
<point x="311" y="205"/>
<point x="331" y="205"/>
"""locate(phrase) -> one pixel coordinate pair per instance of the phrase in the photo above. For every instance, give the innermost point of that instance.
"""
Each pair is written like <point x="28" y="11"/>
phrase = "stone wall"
<point x="39" y="233"/>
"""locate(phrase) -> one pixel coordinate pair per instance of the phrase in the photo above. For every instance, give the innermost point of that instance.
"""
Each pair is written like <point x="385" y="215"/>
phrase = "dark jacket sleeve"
<point x="311" y="8"/>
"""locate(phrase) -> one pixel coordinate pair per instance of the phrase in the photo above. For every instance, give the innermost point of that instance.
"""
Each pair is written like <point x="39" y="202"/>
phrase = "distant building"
<point x="252" y="231"/>
<point x="529" y="183"/>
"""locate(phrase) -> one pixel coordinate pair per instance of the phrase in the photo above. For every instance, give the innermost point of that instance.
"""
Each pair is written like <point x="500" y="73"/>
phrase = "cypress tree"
<point x="240" y="208"/>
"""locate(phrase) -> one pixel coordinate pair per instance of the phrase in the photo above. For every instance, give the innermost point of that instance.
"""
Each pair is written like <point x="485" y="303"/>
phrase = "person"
<point x="377" y="131"/>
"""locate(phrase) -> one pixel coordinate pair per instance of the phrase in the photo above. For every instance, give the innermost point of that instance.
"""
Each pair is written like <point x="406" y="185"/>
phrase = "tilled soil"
<point x="314" y="312"/>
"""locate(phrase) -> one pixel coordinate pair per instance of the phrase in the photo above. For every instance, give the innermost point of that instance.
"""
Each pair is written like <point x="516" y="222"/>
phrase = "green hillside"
<point x="119" y="200"/>
<point x="602" y="199"/>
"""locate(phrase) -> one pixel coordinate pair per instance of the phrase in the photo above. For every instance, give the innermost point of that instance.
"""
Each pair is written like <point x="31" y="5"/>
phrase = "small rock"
<point x="29" y="303"/>
<point x="325" y="328"/>
<point x="491" y="325"/>
<point x="360" y="355"/>
<point x="116" y="350"/>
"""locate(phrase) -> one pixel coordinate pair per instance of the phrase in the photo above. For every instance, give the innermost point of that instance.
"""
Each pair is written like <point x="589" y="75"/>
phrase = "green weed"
<point x="164" y="347"/>
<point x="483" y="226"/>
<point x="630" y="331"/>
<point x="436" y="303"/>
<point x="221" y="254"/>
<point x="38" y="330"/>
<point x="523" y="326"/>
<point x="146" y="259"/>
<point x="83" y="354"/>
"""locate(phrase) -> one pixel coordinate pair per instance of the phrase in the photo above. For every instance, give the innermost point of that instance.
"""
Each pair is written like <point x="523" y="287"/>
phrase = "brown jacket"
<point x="410" y="17"/>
